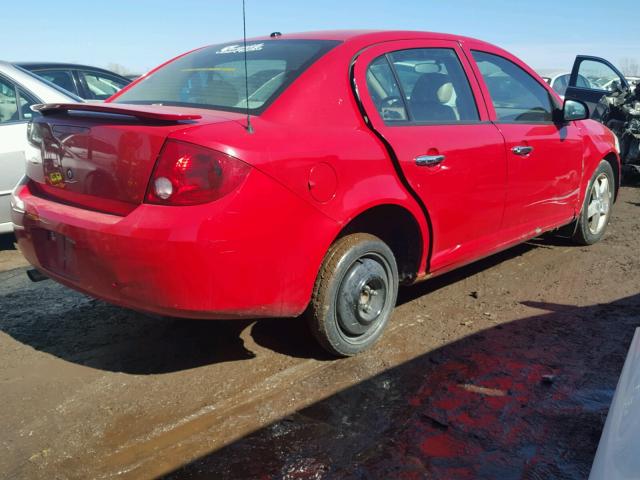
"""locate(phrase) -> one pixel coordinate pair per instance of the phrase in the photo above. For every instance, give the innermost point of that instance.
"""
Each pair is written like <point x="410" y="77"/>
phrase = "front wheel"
<point x="598" y="204"/>
<point x="354" y="294"/>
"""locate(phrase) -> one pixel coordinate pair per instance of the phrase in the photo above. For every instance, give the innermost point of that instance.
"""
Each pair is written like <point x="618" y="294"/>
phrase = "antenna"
<point x="246" y="69"/>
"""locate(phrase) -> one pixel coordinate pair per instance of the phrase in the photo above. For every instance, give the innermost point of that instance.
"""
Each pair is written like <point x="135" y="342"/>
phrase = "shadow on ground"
<point x="524" y="400"/>
<point x="61" y="322"/>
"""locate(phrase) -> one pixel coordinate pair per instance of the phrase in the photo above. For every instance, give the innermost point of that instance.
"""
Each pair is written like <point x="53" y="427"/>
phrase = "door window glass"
<point x="25" y="100"/>
<point x="384" y="91"/>
<point x="61" y="78"/>
<point x="8" y="103"/>
<point x="516" y="96"/>
<point x="101" y="86"/>
<point x="598" y="75"/>
<point x="435" y="86"/>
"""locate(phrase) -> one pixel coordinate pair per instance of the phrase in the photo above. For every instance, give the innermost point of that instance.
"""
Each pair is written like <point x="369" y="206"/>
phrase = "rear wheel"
<point x="597" y="207"/>
<point x="354" y="294"/>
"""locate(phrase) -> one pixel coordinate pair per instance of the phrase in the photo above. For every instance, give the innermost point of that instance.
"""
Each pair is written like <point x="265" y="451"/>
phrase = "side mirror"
<point x="574" y="110"/>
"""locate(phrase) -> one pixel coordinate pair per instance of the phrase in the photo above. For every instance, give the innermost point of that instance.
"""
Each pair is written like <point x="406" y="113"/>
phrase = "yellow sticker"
<point x="55" y="178"/>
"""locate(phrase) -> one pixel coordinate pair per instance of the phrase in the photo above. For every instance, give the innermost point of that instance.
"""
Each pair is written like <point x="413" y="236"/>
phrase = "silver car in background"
<point x="19" y="90"/>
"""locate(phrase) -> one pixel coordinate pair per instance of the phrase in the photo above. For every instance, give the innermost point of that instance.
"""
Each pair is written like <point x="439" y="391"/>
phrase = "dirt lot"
<point x="502" y="370"/>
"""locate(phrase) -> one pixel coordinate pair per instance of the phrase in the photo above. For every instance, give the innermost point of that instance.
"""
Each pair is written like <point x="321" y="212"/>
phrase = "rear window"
<point x="214" y="77"/>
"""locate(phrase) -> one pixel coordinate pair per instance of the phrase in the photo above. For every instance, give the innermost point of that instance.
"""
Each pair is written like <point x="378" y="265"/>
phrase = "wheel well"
<point x="395" y="226"/>
<point x="613" y="161"/>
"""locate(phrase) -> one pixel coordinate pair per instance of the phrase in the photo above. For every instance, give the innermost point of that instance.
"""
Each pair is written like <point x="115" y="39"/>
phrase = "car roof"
<point x="348" y="35"/>
<point x="373" y="36"/>
<point x="62" y="65"/>
<point x="356" y="40"/>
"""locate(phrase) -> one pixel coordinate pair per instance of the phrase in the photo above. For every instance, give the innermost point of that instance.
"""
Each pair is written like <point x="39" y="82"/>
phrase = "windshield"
<point x="214" y="77"/>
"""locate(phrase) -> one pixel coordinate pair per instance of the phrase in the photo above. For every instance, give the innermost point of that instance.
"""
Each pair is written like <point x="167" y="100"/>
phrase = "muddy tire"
<point x="354" y="294"/>
<point x="596" y="210"/>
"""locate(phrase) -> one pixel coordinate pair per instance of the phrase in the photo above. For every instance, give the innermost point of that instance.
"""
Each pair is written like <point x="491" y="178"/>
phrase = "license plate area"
<point x="57" y="253"/>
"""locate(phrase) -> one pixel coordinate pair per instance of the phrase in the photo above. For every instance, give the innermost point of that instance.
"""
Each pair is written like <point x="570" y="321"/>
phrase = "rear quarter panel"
<point x="315" y="126"/>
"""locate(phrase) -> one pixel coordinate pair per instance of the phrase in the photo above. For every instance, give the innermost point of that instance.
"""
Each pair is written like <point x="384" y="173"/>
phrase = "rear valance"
<point x="145" y="112"/>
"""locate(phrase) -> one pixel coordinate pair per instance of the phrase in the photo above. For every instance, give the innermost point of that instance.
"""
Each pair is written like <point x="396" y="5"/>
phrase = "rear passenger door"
<point x="421" y="98"/>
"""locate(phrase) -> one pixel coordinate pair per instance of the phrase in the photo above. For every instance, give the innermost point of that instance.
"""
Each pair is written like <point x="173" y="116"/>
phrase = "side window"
<point x="61" y="78"/>
<point x="434" y="85"/>
<point x="101" y="86"/>
<point x="25" y="101"/>
<point x="517" y="97"/>
<point x="597" y="76"/>
<point x="385" y="92"/>
<point x="8" y="103"/>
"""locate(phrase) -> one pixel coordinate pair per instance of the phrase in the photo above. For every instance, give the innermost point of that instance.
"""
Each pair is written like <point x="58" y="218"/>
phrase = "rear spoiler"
<point x="148" y="112"/>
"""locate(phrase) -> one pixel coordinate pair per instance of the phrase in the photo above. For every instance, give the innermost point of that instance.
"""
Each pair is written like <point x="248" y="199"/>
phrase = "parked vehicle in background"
<point x="633" y="80"/>
<point x="614" y="459"/>
<point x="560" y="83"/>
<point x="592" y="78"/>
<point x="370" y="160"/>
<point x="19" y="90"/>
<point x="89" y="83"/>
<point x="614" y="101"/>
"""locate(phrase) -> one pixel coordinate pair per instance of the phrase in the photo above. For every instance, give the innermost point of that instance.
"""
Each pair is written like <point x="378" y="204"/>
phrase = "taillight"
<point x="187" y="174"/>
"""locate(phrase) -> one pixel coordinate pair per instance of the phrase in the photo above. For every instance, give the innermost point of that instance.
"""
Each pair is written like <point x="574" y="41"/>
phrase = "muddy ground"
<point x="504" y="369"/>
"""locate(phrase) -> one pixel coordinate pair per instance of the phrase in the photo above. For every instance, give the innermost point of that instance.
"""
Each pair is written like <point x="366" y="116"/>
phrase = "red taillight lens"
<point x="187" y="174"/>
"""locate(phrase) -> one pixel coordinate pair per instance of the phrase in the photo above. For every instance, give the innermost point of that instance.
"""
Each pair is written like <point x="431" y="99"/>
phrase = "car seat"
<point x="429" y="96"/>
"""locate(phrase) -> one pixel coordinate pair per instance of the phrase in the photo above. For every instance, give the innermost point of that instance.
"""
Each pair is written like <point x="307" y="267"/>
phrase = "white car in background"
<point x="560" y="83"/>
<point x="19" y="90"/>
<point x="633" y="80"/>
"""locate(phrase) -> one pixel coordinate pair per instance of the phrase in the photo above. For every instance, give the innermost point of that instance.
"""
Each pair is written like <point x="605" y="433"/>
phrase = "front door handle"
<point x="522" y="150"/>
<point x="429" y="160"/>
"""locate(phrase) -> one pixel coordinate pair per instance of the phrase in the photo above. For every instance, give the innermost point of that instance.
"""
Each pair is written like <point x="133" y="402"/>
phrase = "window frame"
<point x="419" y="123"/>
<point x="70" y="72"/>
<point x="16" y="89"/>
<point x="575" y="74"/>
<point x="80" y="72"/>
<point x="489" y="99"/>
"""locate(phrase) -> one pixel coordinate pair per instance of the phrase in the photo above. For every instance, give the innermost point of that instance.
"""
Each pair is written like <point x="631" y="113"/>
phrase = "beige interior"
<point x="445" y="92"/>
<point x="8" y="108"/>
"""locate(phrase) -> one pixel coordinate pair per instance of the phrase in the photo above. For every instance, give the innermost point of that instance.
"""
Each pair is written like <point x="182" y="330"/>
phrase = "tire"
<point x="354" y="294"/>
<point x="597" y="207"/>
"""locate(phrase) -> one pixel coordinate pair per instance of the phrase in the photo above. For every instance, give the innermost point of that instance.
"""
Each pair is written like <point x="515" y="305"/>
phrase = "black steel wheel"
<point x="354" y="294"/>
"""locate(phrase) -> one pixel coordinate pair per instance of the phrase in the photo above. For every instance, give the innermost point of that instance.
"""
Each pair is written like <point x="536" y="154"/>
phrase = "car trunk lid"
<point x="101" y="156"/>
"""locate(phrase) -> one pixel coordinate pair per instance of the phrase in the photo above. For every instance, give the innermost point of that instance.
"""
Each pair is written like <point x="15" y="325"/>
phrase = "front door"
<point x="591" y="79"/>
<point x="544" y="158"/>
<point x="420" y="97"/>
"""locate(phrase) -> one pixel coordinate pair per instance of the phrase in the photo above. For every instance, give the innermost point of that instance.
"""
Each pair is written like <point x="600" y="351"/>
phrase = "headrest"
<point x="432" y="87"/>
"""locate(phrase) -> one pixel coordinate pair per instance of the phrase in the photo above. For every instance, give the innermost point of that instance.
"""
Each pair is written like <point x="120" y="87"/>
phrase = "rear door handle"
<point x="522" y="150"/>
<point x="429" y="160"/>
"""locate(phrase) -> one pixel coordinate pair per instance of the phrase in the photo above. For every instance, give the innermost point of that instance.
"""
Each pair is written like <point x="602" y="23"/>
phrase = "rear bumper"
<point x="254" y="253"/>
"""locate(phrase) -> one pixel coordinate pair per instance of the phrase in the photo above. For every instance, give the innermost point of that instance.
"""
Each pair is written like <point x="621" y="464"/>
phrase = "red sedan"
<point x="308" y="173"/>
